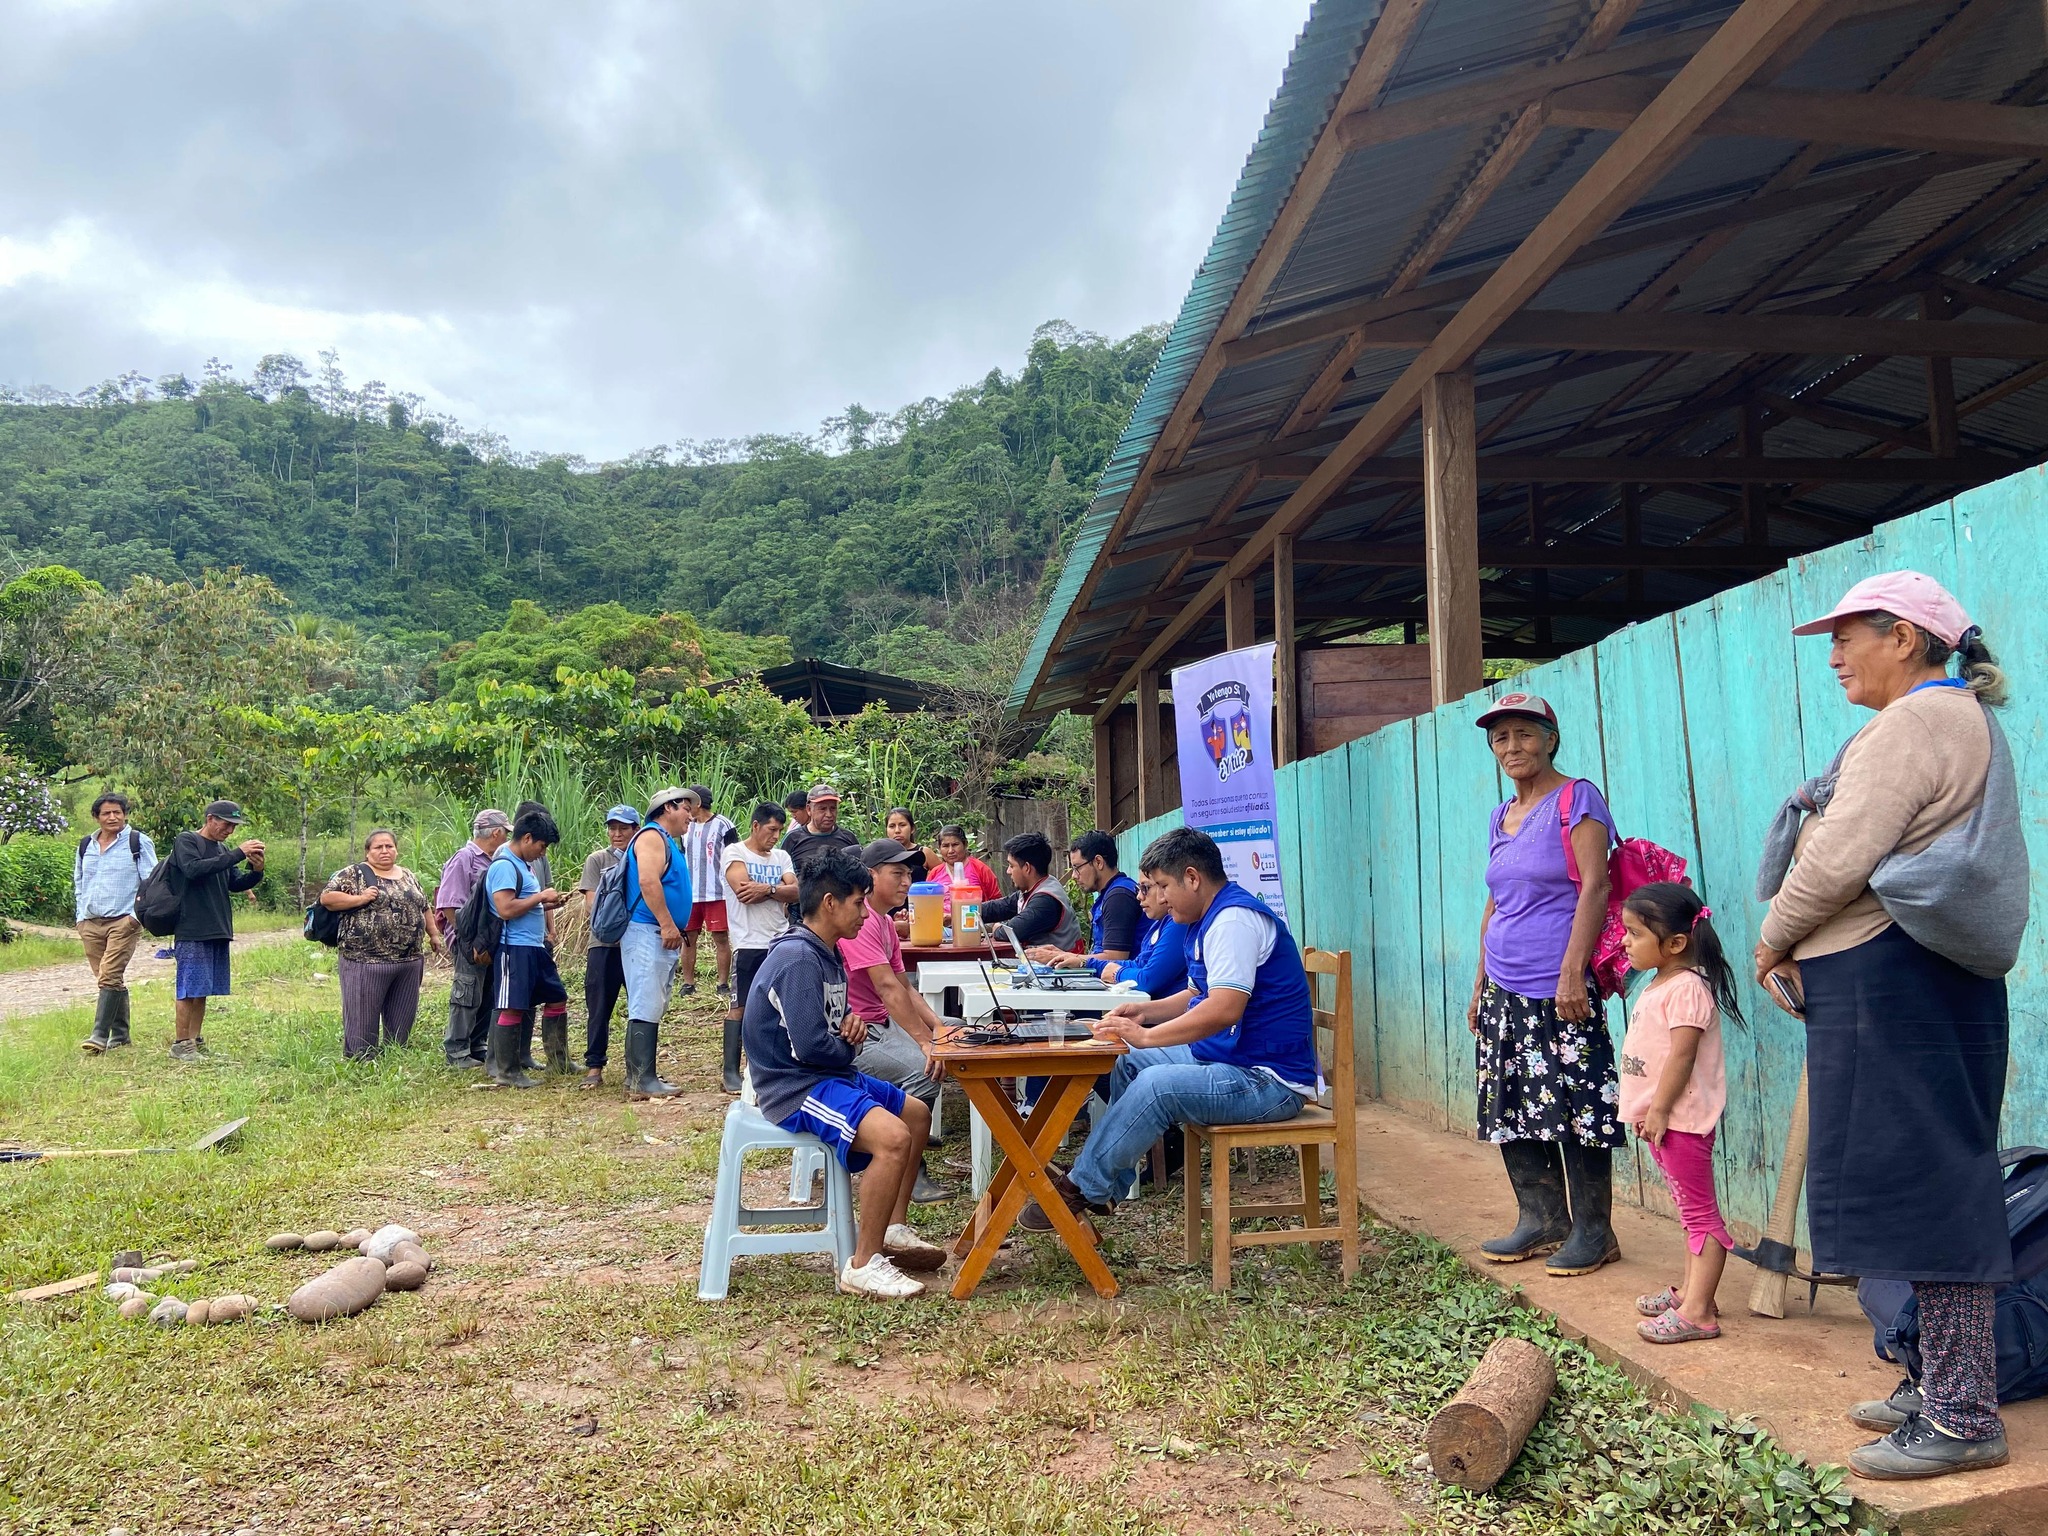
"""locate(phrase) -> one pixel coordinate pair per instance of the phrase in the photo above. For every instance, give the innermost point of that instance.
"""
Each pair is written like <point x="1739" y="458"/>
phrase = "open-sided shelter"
<point x="1530" y="319"/>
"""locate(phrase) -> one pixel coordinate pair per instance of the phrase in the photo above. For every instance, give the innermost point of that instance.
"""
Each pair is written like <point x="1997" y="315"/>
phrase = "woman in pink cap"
<point x="1898" y="890"/>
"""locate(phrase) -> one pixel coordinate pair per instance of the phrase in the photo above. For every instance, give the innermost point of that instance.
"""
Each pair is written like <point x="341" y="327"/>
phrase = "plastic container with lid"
<point x="928" y="912"/>
<point x="966" y="904"/>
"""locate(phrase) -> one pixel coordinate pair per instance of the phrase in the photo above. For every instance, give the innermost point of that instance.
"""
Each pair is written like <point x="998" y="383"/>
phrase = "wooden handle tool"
<point x="1775" y="1256"/>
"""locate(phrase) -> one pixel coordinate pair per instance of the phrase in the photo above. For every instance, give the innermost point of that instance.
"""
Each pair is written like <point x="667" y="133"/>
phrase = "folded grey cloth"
<point x="1964" y="895"/>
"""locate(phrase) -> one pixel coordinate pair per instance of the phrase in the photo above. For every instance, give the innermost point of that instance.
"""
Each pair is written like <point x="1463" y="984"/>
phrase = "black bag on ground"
<point x="160" y="900"/>
<point x="324" y="926"/>
<point x="2020" y="1318"/>
<point x="478" y="925"/>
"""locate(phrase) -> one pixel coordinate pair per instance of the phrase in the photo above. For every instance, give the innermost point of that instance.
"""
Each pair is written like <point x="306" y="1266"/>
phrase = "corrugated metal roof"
<point x="1385" y="198"/>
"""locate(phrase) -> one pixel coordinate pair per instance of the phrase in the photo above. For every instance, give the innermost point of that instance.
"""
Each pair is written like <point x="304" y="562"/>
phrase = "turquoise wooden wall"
<point x="1697" y="725"/>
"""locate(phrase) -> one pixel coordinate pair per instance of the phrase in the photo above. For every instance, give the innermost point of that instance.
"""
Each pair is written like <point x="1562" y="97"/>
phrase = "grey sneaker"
<point x="687" y="989"/>
<point x="1886" y="1414"/>
<point x="185" y="1050"/>
<point x="1919" y="1448"/>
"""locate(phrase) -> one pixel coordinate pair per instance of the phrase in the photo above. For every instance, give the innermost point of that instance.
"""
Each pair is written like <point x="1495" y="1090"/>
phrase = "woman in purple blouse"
<point x="1548" y="1094"/>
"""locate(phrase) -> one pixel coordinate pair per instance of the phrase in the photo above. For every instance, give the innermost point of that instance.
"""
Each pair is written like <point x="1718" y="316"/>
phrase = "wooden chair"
<point x="1308" y="1132"/>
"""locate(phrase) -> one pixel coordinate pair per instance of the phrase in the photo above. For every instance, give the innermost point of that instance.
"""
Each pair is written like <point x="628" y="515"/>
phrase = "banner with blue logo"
<point x="1223" y="719"/>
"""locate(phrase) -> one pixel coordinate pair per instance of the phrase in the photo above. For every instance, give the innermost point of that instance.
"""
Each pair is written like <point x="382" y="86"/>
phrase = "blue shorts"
<point x="834" y="1108"/>
<point x="526" y="978"/>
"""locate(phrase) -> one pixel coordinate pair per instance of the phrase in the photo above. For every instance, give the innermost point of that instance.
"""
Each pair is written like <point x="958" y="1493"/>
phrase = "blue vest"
<point x="1117" y="882"/>
<point x="1277" y="1030"/>
<point x="1161" y="966"/>
<point x="675" y="882"/>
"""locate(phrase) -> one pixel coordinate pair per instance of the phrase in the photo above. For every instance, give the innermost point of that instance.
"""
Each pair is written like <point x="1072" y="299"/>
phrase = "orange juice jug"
<point x="927" y="912"/>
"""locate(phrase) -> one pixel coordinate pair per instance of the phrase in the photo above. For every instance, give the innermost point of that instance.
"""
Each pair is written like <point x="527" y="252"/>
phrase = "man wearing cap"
<point x="204" y="864"/>
<point x="658" y="899"/>
<point x="900" y="1023"/>
<point x="603" y="980"/>
<point x="824" y="830"/>
<point x="469" y="995"/>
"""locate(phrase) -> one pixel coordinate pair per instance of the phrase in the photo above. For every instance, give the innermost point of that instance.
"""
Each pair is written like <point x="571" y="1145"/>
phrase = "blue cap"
<point x="624" y="813"/>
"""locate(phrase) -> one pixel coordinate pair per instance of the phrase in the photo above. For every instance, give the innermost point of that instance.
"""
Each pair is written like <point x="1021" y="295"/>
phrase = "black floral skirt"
<point x="1541" y="1078"/>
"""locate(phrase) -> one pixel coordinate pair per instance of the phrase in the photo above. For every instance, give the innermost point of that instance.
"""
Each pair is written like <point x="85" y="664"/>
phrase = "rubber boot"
<point x="641" y="1081"/>
<point x="729" y="1076"/>
<point x="1589" y="1177"/>
<point x="101" y="1036"/>
<point x="1538" y="1178"/>
<point x="117" y="1018"/>
<point x="525" y="1047"/>
<point x="554" y="1042"/>
<point x="501" y="1065"/>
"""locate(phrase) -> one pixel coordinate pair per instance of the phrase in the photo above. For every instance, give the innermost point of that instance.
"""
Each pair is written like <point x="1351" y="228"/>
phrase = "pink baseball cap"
<point x="1908" y="594"/>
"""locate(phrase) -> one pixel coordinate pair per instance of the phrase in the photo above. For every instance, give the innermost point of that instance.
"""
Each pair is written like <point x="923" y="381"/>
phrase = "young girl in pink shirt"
<point x="1674" y="1086"/>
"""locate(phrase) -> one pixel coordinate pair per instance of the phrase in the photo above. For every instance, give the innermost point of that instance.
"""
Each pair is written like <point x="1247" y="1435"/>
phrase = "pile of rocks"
<point x="389" y="1259"/>
<point x="131" y="1274"/>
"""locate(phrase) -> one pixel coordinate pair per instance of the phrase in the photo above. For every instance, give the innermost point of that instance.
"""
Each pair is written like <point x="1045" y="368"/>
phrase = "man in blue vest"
<point x="1235" y="1046"/>
<point x="1118" y="925"/>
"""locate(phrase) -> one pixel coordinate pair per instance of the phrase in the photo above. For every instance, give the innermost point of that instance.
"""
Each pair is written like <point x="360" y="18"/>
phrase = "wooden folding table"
<point x="1028" y="1145"/>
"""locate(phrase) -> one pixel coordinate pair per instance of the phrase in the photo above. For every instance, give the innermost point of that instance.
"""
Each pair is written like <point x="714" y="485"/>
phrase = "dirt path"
<point x="60" y="986"/>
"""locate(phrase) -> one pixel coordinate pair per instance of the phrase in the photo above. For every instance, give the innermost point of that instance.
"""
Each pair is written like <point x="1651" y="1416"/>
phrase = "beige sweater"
<point x="1914" y="772"/>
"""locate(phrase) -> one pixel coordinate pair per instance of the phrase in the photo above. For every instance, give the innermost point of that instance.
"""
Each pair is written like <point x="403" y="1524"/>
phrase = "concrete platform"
<point x="1796" y="1376"/>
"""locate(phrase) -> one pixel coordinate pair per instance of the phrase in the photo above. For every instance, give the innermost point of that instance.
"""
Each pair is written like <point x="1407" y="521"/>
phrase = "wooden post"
<point x="1941" y="385"/>
<point x="1240" y="626"/>
<point x="1286" y="707"/>
<point x="1477" y="1435"/>
<point x="1151" y="801"/>
<point x="1756" y="516"/>
<point x="1105" y="782"/>
<point x="1450" y="497"/>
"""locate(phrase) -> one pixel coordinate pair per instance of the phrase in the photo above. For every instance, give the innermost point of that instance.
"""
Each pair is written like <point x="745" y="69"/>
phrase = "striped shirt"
<point x="704" y="856"/>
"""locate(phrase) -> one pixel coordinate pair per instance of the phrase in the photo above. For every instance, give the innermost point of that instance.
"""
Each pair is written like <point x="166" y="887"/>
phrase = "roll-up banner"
<point x="1223" y="722"/>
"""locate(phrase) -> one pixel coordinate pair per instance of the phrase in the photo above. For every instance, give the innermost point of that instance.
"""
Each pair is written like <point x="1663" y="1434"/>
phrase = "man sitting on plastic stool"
<point x="1236" y="1046"/>
<point x="800" y="1045"/>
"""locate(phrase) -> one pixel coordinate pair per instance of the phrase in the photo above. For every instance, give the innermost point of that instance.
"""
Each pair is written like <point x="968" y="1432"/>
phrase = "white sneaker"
<point x="878" y="1278"/>
<point x="908" y="1250"/>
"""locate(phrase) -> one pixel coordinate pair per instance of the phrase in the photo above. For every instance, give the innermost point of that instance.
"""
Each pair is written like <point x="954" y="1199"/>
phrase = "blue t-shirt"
<point x="529" y="930"/>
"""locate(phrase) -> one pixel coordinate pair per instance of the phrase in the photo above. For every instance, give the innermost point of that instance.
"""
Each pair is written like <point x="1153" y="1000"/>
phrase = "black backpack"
<point x="2019" y="1326"/>
<point x="161" y="900"/>
<point x="324" y="926"/>
<point x="477" y="925"/>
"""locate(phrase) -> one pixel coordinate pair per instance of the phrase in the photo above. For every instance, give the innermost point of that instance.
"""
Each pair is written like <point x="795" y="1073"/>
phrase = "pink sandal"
<point x="1672" y="1328"/>
<point x="1664" y="1301"/>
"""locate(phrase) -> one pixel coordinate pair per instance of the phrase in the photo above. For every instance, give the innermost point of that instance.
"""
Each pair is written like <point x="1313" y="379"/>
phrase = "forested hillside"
<point x="361" y="507"/>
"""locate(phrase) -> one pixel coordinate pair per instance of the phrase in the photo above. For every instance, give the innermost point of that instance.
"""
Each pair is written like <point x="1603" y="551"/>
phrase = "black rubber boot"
<point x="641" y="1079"/>
<point x="525" y="1046"/>
<point x="117" y="1018"/>
<point x="502" y="1064"/>
<point x="98" y="1040"/>
<point x="554" y="1042"/>
<point x="1589" y="1176"/>
<point x="729" y="1076"/>
<point x="1538" y="1177"/>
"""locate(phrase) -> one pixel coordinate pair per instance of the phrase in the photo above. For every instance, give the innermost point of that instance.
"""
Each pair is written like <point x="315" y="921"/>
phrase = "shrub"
<point x="35" y="879"/>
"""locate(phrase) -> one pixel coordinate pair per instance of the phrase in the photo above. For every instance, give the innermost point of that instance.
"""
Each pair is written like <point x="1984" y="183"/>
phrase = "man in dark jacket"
<point x="207" y="876"/>
<point x="800" y="1044"/>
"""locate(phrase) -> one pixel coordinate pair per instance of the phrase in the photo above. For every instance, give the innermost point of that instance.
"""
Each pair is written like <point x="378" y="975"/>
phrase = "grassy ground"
<point x="558" y="1375"/>
<point x="28" y="951"/>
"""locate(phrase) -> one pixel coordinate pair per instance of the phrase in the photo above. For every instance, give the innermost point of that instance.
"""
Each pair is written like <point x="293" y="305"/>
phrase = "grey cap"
<point x="490" y="821"/>
<point x="227" y="811"/>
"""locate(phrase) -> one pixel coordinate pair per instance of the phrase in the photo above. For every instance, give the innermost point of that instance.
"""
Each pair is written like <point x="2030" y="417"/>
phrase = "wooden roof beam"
<point x="1869" y="121"/>
<point x="1781" y="334"/>
<point x="1534" y="557"/>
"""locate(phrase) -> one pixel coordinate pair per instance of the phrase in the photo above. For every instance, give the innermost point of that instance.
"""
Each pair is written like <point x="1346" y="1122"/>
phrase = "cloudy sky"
<point x="596" y="227"/>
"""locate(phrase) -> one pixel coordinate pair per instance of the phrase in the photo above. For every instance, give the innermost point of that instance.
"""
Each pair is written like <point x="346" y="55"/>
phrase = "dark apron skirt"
<point x="1905" y="1072"/>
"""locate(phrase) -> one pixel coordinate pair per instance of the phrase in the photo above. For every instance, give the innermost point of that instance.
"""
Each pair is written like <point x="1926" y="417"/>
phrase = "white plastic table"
<point x="978" y="1002"/>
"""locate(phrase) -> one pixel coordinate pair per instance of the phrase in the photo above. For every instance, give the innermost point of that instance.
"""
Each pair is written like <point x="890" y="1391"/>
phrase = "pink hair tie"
<point x="1705" y="912"/>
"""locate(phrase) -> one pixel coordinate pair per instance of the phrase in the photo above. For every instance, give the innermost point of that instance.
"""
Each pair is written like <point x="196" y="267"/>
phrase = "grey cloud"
<point x="595" y="227"/>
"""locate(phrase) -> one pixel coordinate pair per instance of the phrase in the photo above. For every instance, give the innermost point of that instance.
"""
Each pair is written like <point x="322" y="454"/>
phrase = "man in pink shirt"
<point x="900" y="1022"/>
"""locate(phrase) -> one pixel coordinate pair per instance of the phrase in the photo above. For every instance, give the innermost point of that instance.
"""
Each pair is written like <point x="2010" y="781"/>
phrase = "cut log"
<point x="1477" y="1435"/>
<point x="57" y="1288"/>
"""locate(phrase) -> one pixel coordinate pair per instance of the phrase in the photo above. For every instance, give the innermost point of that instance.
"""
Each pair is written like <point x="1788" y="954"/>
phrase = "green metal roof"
<point x="1317" y="70"/>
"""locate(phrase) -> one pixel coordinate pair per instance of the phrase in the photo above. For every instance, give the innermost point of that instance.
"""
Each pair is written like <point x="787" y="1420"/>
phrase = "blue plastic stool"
<point x="746" y="1130"/>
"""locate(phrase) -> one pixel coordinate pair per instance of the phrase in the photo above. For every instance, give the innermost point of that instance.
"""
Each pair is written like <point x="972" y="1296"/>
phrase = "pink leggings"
<point x="1687" y="1162"/>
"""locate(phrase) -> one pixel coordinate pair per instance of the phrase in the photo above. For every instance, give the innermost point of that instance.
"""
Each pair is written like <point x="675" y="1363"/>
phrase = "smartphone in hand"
<point x="1788" y="994"/>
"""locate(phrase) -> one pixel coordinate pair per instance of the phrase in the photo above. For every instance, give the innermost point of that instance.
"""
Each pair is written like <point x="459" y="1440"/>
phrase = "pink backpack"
<point x="1634" y="861"/>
